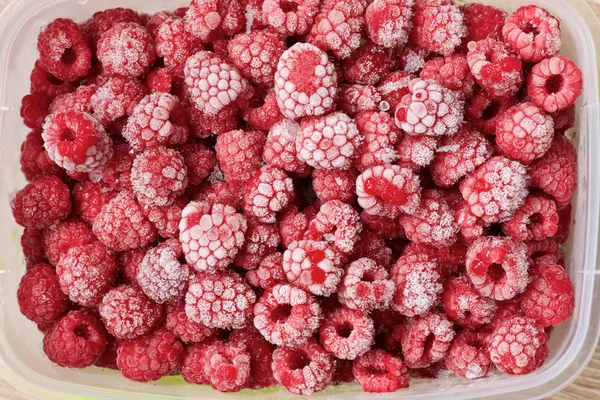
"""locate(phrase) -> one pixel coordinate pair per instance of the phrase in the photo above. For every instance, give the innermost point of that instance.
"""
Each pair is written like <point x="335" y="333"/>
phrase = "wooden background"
<point x="587" y="386"/>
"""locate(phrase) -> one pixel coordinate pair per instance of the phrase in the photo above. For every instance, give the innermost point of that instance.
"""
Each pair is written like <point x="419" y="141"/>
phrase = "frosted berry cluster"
<point x="299" y="193"/>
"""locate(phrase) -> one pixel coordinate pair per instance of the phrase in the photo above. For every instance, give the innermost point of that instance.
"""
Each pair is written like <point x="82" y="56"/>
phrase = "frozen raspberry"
<point x="482" y="112"/>
<point x="108" y="359"/>
<point x="438" y="26"/>
<point x="532" y="33"/>
<point x="357" y="98"/>
<point x="495" y="68"/>
<point x="254" y="14"/>
<point x="227" y="366"/>
<point x="393" y="88"/>
<point x="34" y="109"/>
<point x="239" y="154"/>
<point x="104" y="20"/>
<point x="34" y="159"/>
<point x="261" y="356"/>
<point x="292" y="224"/>
<point x="150" y="357"/>
<point x="256" y="54"/>
<point x="207" y="19"/>
<point x="564" y="120"/>
<point x="203" y="125"/>
<point x="269" y="272"/>
<point x="222" y="300"/>
<point x="89" y="198"/>
<point x="468" y="357"/>
<point x="40" y="297"/>
<point x="565" y="222"/>
<point x="380" y="136"/>
<point x="32" y="243"/>
<point x="518" y="345"/>
<point x="346" y="333"/>
<point x="303" y="369"/>
<point x="184" y="329"/>
<point x="280" y="147"/>
<point x="482" y="21"/>
<point x="129" y="262"/>
<point x="313" y="265"/>
<point x="373" y="246"/>
<point x="221" y="192"/>
<point x="267" y="192"/>
<point x="43" y="81"/>
<point x="426" y="340"/>
<point x="64" y="50"/>
<point x="537" y="219"/>
<point x="192" y="365"/>
<point x="76" y="141"/>
<point x="126" y="49"/>
<point x="368" y="64"/>
<point x="290" y="17"/>
<point x="379" y="372"/>
<point x="334" y="184"/>
<point x="389" y="22"/>
<point x="413" y="59"/>
<point x="200" y="161"/>
<point x="452" y="72"/>
<point x="449" y="259"/>
<point x="548" y="249"/>
<point x="260" y="240"/>
<point x="157" y="19"/>
<point x="116" y="173"/>
<point x="386" y="190"/>
<point x="496" y="189"/>
<point x="87" y="272"/>
<point x="305" y="82"/>
<point x="128" y="313"/>
<point x="175" y="45"/>
<point x="498" y="267"/>
<point x="337" y="223"/>
<point x="554" y="84"/>
<point x="116" y="98"/>
<point x="166" y="218"/>
<point x="365" y="286"/>
<point x="76" y="341"/>
<point x="41" y="202"/>
<point x="159" y="80"/>
<point x="464" y="305"/>
<point x="61" y="237"/>
<point x="78" y="100"/>
<point x="262" y="112"/>
<point x="417" y="151"/>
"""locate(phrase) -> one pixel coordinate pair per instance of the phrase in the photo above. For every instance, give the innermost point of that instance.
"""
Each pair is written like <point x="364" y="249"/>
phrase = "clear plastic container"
<point x="25" y="366"/>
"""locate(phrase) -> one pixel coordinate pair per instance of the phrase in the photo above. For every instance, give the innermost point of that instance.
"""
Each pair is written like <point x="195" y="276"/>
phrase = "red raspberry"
<point x="482" y="21"/>
<point x="439" y="26"/>
<point x="166" y="218"/>
<point x="267" y="192"/>
<point x="227" y="366"/>
<point x="389" y="22"/>
<point x="554" y="84"/>
<point x="292" y="224"/>
<point x="76" y="141"/>
<point x="159" y="80"/>
<point x="280" y="147"/>
<point x="337" y="223"/>
<point x="221" y="192"/>
<point x="338" y="27"/>
<point x="464" y="305"/>
<point x="518" y="345"/>
<point x="346" y="333"/>
<point x="303" y="369"/>
<point x="211" y="235"/>
<point x="121" y="224"/>
<point x="482" y="112"/>
<point x="549" y="299"/>
<point x="452" y="72"/>
<point x="290" y="17"/>
<point x="449" y="259"/>
<point x="532" y="33"/>
<point x="313" y="266"/>
<point x="256" y="54"/>
<point x="150" y="357"/>
<point x="203" y="125"/>
<point x="380" y="135"/>
<point x="547" y="249"/>
<point x="89" y="198"/>
<point x="34" y="109"/>
<point x="565" y="222"/>
<point x="222" y="300"/>
<point x="116" y="98"/>
<point x="43" y="81"/>
<point x="129" y="262"/>
<point x="497" y="70"/>
<point x="61" y="237"/>
<point x="87" y="272"/>
<point x="393" y="88"/>
<point x="468" y="356"/>
<point x="207" y="19"/>
<point x="76" y="341"/>
<point x="184" y="329"/>
<point x="426" y="340"/>
<point x="386" y="190"/>
<point x="116" y="173"/>
<point x="305" y="81"/>
<point x="373" y="246"/>
<point x="157" y="19"/>
<point x="413" y="59"/>
<point x="262" y="112"/>
<point x="335" y="184"/>
<point x="41" y="203"/>
<point x="192" y="365"/>
<point x="77" y="100"/>
<point x="269" y="272"/>
<point x="175" y="45"/>
<point x="260" y="240"/>
<point x="128" y="313"/>
<point x="537" y="219"/>
<point x="200" y="161"/>
<point x="357" y="98"/>
<point x="417" y="151"/>
<point x="368" y="64"/>
<point x="261" y="357"/>
<point x="379" y="372"/>
<point x="34" y="159"/>
<point x="108" y="359"/>
<point x="104" y="20"/>
<point x="133" y="41"/>
<point x="496" y="189"/>
<point x="498" y="267"/>
<point x="239" y="154"/>
<point x="343" y="373"/>
<point x="564" y="120"/>
<point x="64" y="50"/>
<point x="33" y="247"/>
<point x="365" y="286"/>
<point x="39" y="295"/>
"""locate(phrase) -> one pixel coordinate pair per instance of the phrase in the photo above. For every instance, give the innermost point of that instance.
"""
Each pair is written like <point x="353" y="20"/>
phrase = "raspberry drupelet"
<point x="260" y="240"/>
<point x="40" y="297"/>
<point x="438" y="26"/>
<point x="378" y="372"/>
<point x="184" y="329"/>
<point x="261" y="357"/>
<point x="89" y="198"/>
<point x="175" y="45"/>
<point x="368" y="64"/>
<point x="365" y="286"/>
<point x="338" y="224"/>
<point x="239" y="154"/>
<point x="426" y="340"/>
<point x="346" y="333"/>
<point x="256" y="54"/>
<point x="554" y="84"/>
<point x="452" y="72"/>
<point x="60" y="237"/>
<point x="290" y="17"/>
<point x="380" y="136"/>
<point x="537" y="219"/>
<point x="464" y="305"/>
<point x="388" y="22"/>
<point x="227" y="366"/>
<point x="116" y="98"/>
<point x="267" y="192"/>
<point x="468" y="356"/>
<point x="126" y="49"/>
<point x="268" y="273"/>
<point x="356" y="98"/>
<point x="280" y="147"/>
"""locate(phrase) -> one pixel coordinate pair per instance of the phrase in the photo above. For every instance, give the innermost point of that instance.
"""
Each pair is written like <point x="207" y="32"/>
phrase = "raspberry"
<point x="373" y="246"/>
<point x="337" y="223"/>
<point x="211" y="235"/>
<point x="157" y="19"/>
<point x="554" y="84"/>
<point x="203" y="125"/>
<point x="262" y="112"/>
<point x="378" y="372"/>
<point x="34" y="159"/>
<point x="269" y="272"/>
<point x="368" y="64"/>
<point x="221" y="192"/>
<point x="61" y="237"/>
<point x="518" y="345"/>
<point x="256" y="54"/>
<point x="184" y="329"/>
<point x="158" y="176"/>
<point x="547" y="248"/>
<point x="464" y="305"/>
<point x="365" y="286"/>
<point x="303" y="369"/>
<point x="260" y="240"/>
<point x="482" y="21"/>
<point x="328" y="142"/>
<point x="213" y="84"/>
<point x="200" y="161"/>
<point x="33" y="247"/>
<point x="564" y="120"/>
<point x="207" y="19"/>
<point x="334" y="184"/>
<point x="292" y="224"/>
<point x="76" y="141"/>
<point x="239" y="154"/>
<point x="45" y="82"/>
<point x="34" y="109"/>
<point x="550" y="298"/>
<point x="280" y="147"/>
<point x="380" y="135"/>
<point x="290" y="17"/>
<point x="389" y="22"/>
<point x="482" y="112"/>
<point x="89" y="198"/>
<point x="166" y="218"/>
<point x="532" y="33"/>
<point x="468" y="356"/>
<point x="128" y="313"/>
<point x="104" y="20"/>
<point x="417" y="151"/>
<point x="418" y="285"/>
<point x="496" y="189"/>
<point x="495" y="68"/>
<point x="150" y="357"/>
<point x="222" y="300"/>
<point x="77" y="100"/>
<point x="413" y="59"/>
<point x="76" y="341"/>
<point x="116" y="173"/>
<point x="261" y="357"/>
<point x="126" y="49"/>
<point x="159" y="80"/>
<point x="129" y="262"/>
<point x="386" y="190"/>
<point x="357" y="98"/>
<point x="305" y="81"/>
<point x="116" y="98"/>
<point x="338" y="27"/>
<point x="175" y="45"/>
<point x="121" y="224"/>
<point x="452" y="72"/>
<point x="227" y="366"/>
<point x="313" y="266"/>
<point x="41" y="203"/>
<point x="564" y="224"/>
<point x="39" y="295"/>
<point x="449" y="259"/>
<point x="64" y="51"/>
<point x="438" y="26"/>
<point x="393" y="88"/>
<point x="108" y="359"/>
<point x="267" y="192"/>
<point x="555" y="173"/>
<point x="537" y="219"/>
<point x="426" y="340"/>
<point x="498" y="267"/>
<point x="192" y="365"/>
<point x="346" y="333"/>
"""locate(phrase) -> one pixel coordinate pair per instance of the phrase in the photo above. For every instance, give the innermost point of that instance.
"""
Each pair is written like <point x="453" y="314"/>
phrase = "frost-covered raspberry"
<point x="269" y="272"/>
<point x="429" y="109"/>
<point x="380" y="136"/>
<point x="389" y="22"/>
<point x="468" y="356"/>
<point x="192" y="365"/>
<point x="43" y="81"/>
<point x="426" y="339"/>
<point x="129" y="262"/>
<point x="261" y="356"/>
<point x="449" y="259"/>
<point x="175" y="45"/>
<point x="438" y="26"/>
<point x="292" y="224"/>
<point x="464" y="305"/>
<point x="372" y="245"/>
<point x="34" y="109"/>
<point x="40" y="297"/>
<point x="337" y="223"/>
<point x="554" y="84"/>
<point x="356" y="98"/>
<point x="290" y="17"/>
<point x="222" y="300"/>
<point x="200" y="161"/>
<point x="128" y="313"/>
<point x="256" y="54"/>
<point x="59" y="238"/>
<point x="346" y="333"/>
<point x="305" y="82"/>
<point x="239" y="154"/>
<point x="41" y="202"/>
<point x="537" y="219"/>
<point x="496" y="189"/>
<point x="126" y="49"/>
<point x="416" y="151"/>
<point x="393" y="88"/>
<point x="102" y="21"/>
<point x="34" y="159"/>
<point x="452" y="72"/>
<point x="262" y="110"/>
<point x="211" y="235"/>
<point x="203" y="125"/>
<point x="365" y="286"/>
<point x="260" y="240"/>
<point x="482" y="111"/>
<point x="378" y="372"/>
<point x="89" y="198"/>
<point x="116" y="173"/>
<point x="227" y="366"/>
<point x="220" y="192"/>
<point x="32" y="243"/>
<point x="368" y="64"/>
<point x="280" y="147"/>
<point x="208" y="19"/>
<point x="266" y="193"/>
<point x="334" y="184"/>
<point x="186" y="330"/>
<point x="116" y="98"/>
<point x="482" y="21"/>
<point x="532" y="33"/>
<point x="78" y="100"/>
<point x="159" y="80"/>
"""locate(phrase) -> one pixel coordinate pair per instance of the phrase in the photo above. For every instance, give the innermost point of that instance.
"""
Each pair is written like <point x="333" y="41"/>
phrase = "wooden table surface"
<point x="587" y="386"/>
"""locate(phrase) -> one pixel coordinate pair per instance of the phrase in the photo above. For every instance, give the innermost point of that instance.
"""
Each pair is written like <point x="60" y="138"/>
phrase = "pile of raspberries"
<point x="303" y="193"/>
